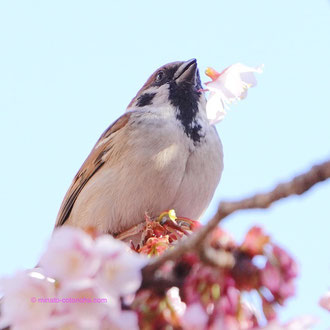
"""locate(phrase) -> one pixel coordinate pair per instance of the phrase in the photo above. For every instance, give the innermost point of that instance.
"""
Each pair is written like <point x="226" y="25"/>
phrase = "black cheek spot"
<point x="145" y="99"/>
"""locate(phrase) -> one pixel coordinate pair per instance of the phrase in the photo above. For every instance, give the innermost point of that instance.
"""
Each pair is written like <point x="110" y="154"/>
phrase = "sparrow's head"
<point x="177" y="86"/>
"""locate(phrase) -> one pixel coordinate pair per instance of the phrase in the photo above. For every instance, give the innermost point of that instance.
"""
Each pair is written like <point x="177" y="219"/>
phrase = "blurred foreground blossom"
<point x="79" y="285"/>
<point x="19" y="307"/>
<point x="119" y="273"/>
<point x="228" y="86"/>
<point x="70" y="255"/>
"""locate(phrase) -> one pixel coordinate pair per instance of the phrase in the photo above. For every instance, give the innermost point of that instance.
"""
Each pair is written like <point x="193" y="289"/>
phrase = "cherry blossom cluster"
<point x="211" y="295"/>
<point x="78" y="284"/>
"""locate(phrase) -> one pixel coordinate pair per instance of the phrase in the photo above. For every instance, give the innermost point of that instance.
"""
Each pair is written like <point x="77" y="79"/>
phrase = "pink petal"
<point x="287" y="289"/>
<point x="325" y="301"/>
<point x="195" y="317"/>
<point x="254" y="241"/>
<point x="271" y="277"/>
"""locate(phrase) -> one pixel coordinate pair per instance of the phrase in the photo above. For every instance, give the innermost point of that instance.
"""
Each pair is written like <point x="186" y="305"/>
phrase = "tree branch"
<point x="297" y="186"/>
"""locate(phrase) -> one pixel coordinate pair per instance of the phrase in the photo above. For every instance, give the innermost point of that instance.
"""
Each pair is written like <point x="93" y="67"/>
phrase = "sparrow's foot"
<point x="127" y="234"/>
<point x="154" y="236"/>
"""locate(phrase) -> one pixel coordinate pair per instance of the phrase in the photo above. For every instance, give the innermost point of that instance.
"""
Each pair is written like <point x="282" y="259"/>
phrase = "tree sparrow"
<point x="161" y="154"/>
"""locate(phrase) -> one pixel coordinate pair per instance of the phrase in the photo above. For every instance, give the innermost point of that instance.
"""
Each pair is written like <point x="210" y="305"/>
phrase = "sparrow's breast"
<point x="152" y="168"/>
<point x="202" y="174"/>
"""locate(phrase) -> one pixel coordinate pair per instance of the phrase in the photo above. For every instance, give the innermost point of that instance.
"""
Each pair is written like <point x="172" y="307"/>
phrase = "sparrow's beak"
<point x="186" y="72"/>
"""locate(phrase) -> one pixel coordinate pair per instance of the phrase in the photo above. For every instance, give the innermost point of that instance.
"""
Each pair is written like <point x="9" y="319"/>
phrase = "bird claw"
<point x="137" y="229"/>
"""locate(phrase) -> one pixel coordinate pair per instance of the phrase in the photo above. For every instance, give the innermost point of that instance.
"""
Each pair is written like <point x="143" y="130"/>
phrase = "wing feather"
<point x="92" y="164"/>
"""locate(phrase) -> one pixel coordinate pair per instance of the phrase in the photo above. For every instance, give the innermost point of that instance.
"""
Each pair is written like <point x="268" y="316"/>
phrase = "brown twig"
<point x="297" y="186"/>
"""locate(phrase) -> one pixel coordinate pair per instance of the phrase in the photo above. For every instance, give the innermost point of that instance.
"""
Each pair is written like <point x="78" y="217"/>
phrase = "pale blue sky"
<point x="69" y="68"/>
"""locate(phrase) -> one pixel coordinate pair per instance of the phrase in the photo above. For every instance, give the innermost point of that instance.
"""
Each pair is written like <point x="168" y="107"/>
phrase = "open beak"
<point x="186" y="72"/>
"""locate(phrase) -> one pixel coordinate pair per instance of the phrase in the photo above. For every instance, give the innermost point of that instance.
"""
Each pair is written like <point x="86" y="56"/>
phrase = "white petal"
<point x="215" y="108"/>
<point x="20" y="305"/>
<point x="85" y="300"/>
<point x="175" y="300"/>
<point x="120" y="271"/>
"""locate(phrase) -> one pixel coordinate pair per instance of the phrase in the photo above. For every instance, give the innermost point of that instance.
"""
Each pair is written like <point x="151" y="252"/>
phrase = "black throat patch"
<point x="185" y="98"/>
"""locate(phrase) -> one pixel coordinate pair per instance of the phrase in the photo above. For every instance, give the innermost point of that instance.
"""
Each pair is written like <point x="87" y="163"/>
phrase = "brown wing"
<point x="91" y="165"/>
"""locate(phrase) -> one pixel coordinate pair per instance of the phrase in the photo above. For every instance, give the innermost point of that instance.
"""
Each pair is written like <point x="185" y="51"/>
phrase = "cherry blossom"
<point x="120" y="270"/>
<point x="254" y="241"/>
<point x="89" y="277"/>
<point x="84" y="300"/>
<point x="69" y="255"/>
<point x="226" y="87"/>
<point x="271" y="277"/>
<point x="20" y="307"/>
<point x="286" y="262"/>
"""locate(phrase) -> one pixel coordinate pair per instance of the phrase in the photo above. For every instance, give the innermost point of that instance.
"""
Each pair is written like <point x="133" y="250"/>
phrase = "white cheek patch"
<point x="150" y="90"/>
<point x="162" y="95"/>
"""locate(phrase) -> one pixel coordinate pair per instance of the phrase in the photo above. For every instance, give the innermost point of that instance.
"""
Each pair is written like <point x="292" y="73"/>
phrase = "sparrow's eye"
<point x="160" y="76"/>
